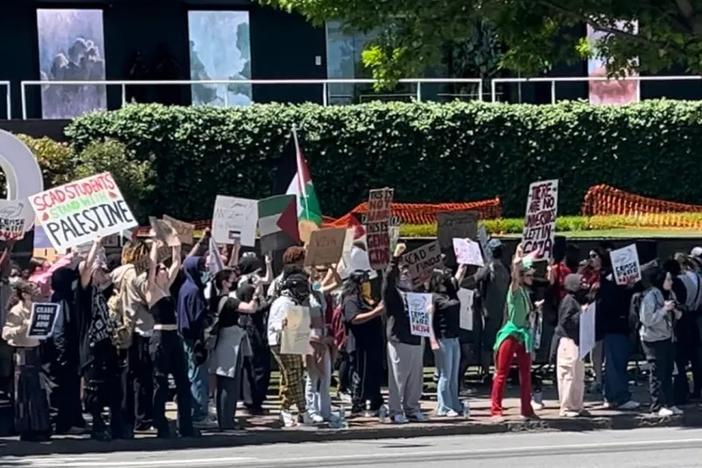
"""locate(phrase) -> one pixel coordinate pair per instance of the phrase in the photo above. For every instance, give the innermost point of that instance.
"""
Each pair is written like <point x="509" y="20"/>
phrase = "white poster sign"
<point x="467" y="252"/>
<point x="625" y="263"/>
<point x="466" y="297"/>
<point x="235" y="218"/>
<point x="16" y="218"/>
<point x="418" y="309"/>
<point x="295" y="338"/>
<point x="587" y="331"/>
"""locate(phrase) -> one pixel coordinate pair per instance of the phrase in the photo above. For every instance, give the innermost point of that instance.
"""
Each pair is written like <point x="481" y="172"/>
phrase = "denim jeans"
<point x="199" y="382"/>
<point x="617" y="350"/>
<point x="448" y="360"/>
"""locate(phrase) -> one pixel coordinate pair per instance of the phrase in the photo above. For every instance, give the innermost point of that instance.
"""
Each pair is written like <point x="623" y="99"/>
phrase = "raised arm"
<point x="461" y="273"/>
<point x="86" y="271"/>
<point x="201" y="246"/>
<point x="332" y="280"/>
<point x="6" y="254"/>
<point x="175" y="264"/>
<point x="234" y="254"/>
<point x="269" y="270"/>
<point x="153" y="263"/>
<point x="517" y="267"/>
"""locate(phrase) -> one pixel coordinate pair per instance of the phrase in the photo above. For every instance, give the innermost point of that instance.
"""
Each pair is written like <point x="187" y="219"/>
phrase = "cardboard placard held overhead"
<point x="540" y="219"/>
<point x="235" y="218"/>
<point x="468" y="252"/>
<point x="326" y="246"/>
<point x="378" y="227"/>
<point x="626" y="266"/>
<point x="422" y="261"/>
<point x="16" y="218"/>
<point x="184" y="230"/>
<point x="164" y="232"/>
<point x="80" y="212"/>
<point x="455" y="225"/>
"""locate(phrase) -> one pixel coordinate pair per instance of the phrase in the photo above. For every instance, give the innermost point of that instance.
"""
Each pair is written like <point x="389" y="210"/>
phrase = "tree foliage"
<point x="536" y="33"/>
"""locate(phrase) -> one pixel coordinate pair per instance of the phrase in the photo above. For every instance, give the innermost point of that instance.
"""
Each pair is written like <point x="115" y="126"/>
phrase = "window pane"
<point x="71" y="47"/>
<point x="220" y="50"/>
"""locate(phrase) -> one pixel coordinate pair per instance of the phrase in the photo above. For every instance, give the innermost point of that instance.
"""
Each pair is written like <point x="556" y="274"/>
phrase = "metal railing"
<point x="581" y="79"/>
<point x="8" y="98"/>
<point x="323" y="83"/>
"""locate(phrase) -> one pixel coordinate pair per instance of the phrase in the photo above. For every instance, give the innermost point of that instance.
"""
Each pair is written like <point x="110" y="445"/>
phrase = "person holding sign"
<point x="99" y="359"/>
<point x="31" y="401"/>
<point x="365" y="342"/>
<point x="166" y="346"/>
<point x="658" y="314"/>
<point x="515" y="337"/>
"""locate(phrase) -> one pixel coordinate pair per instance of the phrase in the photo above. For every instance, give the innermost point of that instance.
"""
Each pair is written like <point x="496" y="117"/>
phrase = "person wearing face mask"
<point x="405" y="351"/>
<point x="192" y="316"/>
<point x="166" y="347"/>
<point x="658" y="314"/>
<point x="99" y="360"/>
<point x="364" y="342"/>
<point x="570" y="369"/>
<point x="32" y="420"/>
<point x="295" y="291"/>
<point x="514" y="338"/>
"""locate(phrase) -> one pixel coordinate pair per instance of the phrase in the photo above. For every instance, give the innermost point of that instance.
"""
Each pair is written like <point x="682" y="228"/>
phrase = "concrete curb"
<point x="68" y="445"/>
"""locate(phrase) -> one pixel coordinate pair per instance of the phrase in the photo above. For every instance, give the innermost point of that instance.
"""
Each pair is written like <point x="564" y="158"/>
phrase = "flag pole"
<point x="298" y="162"/>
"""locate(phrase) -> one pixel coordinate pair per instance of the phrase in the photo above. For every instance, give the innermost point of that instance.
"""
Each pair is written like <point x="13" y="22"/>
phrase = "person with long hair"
<point x="365" y="342"/>
<point x="32" y="419"/>
<point x="658" y="314"/>
<point x="231" y="344"/>
<point x="446" y="325"/>
<point x="514" y="338"/>
<point x="591" y="277"/>
<point x="166" y="346"/>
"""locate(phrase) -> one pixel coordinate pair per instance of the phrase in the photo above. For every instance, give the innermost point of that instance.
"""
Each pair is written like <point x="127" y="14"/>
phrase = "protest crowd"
<point x="117" y="334"/>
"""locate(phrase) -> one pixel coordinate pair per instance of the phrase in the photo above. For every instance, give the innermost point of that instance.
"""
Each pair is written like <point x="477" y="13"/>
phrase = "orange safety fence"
<point x="423" y="213"/>
<point x="604" y="200"/>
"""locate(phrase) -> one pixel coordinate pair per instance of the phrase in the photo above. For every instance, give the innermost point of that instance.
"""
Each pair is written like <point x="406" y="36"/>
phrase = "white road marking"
<point x="192" y="461"/>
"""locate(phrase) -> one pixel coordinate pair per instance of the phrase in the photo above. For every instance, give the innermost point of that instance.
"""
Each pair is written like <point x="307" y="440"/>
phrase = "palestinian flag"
<point x="294" y="170"/>
<point x="277" y="223"/>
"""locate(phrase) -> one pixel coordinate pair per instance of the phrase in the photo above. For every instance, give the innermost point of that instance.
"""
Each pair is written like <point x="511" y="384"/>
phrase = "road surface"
<point x="641" y="448"/>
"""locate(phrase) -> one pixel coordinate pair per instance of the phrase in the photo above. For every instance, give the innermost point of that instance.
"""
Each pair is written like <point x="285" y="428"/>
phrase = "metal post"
<point x="419" y="91"/>
<point x="553" y="91"/>
<point x="480" y="90"/>
<point x="124" y="94"/>
<point x="9" y="102"/>
<point x="325" y="96"/>
<point x="493" y="91"/>
<point x="24" y="101"/>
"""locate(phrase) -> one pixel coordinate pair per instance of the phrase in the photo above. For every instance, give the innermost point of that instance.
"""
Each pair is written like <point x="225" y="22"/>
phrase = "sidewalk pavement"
<point x="267" y="429"/>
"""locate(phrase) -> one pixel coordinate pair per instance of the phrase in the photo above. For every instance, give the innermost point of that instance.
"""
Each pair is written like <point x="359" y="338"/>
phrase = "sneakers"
<point x="343" y="396"/>
<point x="286" y="418"/>
<point x="400" y="419"/>
<point x="316" y="419"/>
<point x="677" y="411"/>
<point x="537" y="406"/>
<point x="665" y="413"/>
<point x="208" y="421"/>
<point x="452" y="414"/>
<point x="629" y="406"/>
<point x="570" y="414"/>
<point x="418" y="417"/>
<point x="305" y="419"/>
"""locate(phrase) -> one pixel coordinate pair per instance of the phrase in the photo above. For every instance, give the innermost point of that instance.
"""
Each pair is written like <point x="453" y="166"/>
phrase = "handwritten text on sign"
<point x="418" y="309"/>
<point x="422" y="261"/>
<point x="79" y="212"/>
<point x="42" y="320"/>
<point x="625" y="263"/>
<point x="377" y="227"/>
<point x="540" y="220"/>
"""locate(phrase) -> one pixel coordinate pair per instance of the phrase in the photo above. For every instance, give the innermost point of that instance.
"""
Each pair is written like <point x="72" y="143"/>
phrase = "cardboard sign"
<point x="456" y="225"/>
<point x="79" y="212"/>
<point x="540" y="219"/>
<point x="235" y="218"/>
<point x="378" y="227"/>
<point x="295" y="338"/>
<point x="16" y="218"/>
<point x="625" y="263"/>
<point x="43" y="320"/>
<point x="184" y="230"/>
<point x="466" y="297"/>
<point x="164" y="232"/>
<point x="587" y="331"/>
<point x="468" y="252"/>
<point x="418" y="309"/>
<point x="326" y="246"/>
<point x="422" y="261"/>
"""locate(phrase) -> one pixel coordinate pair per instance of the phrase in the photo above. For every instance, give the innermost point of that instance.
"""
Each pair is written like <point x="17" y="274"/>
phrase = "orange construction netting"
<point x="604" y="200"/>
<point x="423" y="213"/>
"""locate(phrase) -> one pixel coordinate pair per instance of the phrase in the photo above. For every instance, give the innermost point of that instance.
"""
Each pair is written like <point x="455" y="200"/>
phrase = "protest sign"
<point x="16" y="218"/>
<point x="295" y="338"/>
<point x="418" y="309"/>
<point x="81" y="211"/>
<point x="43" y="319"/>
<point x="468" y="252"/>
<point x="378" y="227"/>
<point x="456" y="225"/>
<point x="235" y="218"/>
<point x="422" y="261"/>
<point x="164" y="232"/>
<point x="325" y="247"/>
<point x="540" y="219"/>
<point x="587" y="331"/>
<point x="184" y="230"/>
<point x="466" y="297"/>
<point x="625" y="263"/>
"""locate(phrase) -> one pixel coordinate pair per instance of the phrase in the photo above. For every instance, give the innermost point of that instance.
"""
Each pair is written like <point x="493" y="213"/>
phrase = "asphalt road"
<point x="641" y="448"/>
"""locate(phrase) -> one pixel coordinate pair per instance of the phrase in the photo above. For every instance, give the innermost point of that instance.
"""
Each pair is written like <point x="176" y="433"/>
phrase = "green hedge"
<point x="428" y="152"/>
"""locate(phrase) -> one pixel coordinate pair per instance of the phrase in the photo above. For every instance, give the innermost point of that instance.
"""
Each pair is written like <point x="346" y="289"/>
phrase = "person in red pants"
<point x="514" y="338"/>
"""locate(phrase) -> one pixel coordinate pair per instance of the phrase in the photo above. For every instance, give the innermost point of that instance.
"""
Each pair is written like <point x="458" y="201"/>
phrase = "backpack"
<point x="338" y="327"/>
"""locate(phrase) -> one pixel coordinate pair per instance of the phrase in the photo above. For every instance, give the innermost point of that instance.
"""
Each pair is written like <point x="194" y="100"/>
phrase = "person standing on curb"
<point x="405" y="351"/>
